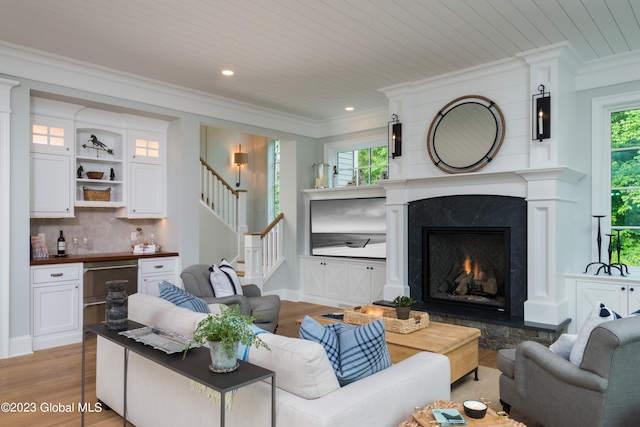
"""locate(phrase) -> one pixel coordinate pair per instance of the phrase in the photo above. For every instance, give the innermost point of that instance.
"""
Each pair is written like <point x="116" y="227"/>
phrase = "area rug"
<point x="486" y="387"/>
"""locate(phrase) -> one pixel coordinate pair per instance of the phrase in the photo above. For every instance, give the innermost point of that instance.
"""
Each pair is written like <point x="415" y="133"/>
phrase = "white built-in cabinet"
<point x="147" y="172"/>
<point x="342" y="282"/>
<point x="153" y="271"/>
<point x="366" y="282"/>
<point x="51" y="162"/>
<point x="620" y="294"/>
<point x="56" y="295"/>
<point x="68" y="141"/>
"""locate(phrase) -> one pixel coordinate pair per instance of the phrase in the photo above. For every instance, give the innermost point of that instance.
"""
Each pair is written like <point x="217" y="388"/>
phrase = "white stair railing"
<point x="263" y="252"/>
<point x="220" y="197"/>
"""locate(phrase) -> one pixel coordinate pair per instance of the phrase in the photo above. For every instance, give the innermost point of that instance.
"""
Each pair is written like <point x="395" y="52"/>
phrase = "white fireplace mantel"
<point x="550" y="196"/>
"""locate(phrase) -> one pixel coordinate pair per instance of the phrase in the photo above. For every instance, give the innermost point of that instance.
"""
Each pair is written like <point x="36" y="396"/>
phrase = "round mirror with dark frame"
<point x="466" y="134"/>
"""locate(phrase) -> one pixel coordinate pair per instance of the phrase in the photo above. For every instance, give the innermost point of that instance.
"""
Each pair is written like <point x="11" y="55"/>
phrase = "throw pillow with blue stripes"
<point x="181" y="298"/>
<point x="355" y="352"/>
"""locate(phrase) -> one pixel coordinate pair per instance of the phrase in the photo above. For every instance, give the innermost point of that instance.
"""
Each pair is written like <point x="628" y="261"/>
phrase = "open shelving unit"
<point x="94" y="158"/>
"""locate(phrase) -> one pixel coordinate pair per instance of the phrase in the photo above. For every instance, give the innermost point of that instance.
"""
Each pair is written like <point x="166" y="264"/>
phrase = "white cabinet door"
<point x="51" y="190"/>
<point x="55" y="309"/>
<point x="313" y="277"/>
<point x="147" y="190"/>
<point x="56" y="294"/>
<point x="149" y="284"/>
<point x="335" y="280"/>
<point x="359" y="284"/>
<point x="614" y="296"/>
<point x="153" y="271"/>
<point x="634" y="299"/>
<point x="378" y="280"/>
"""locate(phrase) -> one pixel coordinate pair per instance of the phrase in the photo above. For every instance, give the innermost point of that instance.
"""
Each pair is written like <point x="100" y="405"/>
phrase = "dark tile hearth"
<point x="468" y="211"/>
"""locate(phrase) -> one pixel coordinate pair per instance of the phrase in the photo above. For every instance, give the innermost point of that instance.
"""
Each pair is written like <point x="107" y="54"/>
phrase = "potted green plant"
<point x="224" y="332"/>
<point x="403" y="303"/>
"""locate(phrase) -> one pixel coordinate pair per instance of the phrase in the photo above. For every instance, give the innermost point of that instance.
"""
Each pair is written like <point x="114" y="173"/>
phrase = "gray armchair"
<point x="602" y="391"/>
<point x="266" y="308"/>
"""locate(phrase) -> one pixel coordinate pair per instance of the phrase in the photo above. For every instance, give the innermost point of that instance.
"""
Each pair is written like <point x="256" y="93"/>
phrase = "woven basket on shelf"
<point x="359" y="316"/>
<point x="95" y="175"/>
<point x="97" y="195"/>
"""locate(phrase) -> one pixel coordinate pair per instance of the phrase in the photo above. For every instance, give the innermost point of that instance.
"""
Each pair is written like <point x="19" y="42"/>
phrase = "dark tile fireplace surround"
<point x="499" y="317"/>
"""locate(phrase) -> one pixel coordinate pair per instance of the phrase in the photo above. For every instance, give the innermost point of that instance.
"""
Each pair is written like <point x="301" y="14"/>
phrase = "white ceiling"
<point x="312" y="58"/>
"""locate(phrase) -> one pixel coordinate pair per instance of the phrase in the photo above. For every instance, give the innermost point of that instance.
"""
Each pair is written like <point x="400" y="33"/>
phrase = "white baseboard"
<point x="20" y="346"/>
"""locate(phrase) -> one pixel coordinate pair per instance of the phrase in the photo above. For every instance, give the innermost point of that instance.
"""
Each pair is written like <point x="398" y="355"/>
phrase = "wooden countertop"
<point x="108" y="256"/>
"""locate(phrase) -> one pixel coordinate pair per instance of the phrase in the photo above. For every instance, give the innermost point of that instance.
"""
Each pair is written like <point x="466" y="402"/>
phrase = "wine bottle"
<point x="62" y="245"/>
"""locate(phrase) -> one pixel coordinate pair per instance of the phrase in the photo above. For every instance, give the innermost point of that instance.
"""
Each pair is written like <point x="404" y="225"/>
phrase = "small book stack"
<point x="449" y="417"/>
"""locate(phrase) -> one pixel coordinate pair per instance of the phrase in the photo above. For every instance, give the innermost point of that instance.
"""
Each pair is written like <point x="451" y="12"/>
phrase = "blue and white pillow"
<point x="355" y="352"/>
<point x="224" y="280"/>
<point x="182" y="298"/>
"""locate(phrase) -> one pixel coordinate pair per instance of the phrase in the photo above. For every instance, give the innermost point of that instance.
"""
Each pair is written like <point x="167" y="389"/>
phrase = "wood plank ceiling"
<point x="311" y="58"/>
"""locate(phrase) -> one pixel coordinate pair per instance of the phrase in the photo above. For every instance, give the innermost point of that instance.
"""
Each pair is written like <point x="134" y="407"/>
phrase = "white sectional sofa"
<point x="307" y="391"/>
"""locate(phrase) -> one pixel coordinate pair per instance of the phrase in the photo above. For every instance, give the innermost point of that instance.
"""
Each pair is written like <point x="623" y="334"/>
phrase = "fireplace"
<point x="468" y="256"/>
<point x="467" y="267"/>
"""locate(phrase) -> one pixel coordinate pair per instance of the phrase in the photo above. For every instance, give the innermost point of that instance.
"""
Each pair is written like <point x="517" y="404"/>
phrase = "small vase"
<point x="220" y="360"/>
<point x="402" y="313"/>
<point x="117" y="311"/>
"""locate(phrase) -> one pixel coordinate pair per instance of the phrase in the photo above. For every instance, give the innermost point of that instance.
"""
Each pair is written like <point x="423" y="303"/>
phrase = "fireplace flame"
<point x="468" y="266"/>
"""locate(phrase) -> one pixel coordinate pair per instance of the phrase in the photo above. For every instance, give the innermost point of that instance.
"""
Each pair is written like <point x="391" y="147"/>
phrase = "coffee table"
<point x="424" y="417"/>
<point x="458" y="343"/>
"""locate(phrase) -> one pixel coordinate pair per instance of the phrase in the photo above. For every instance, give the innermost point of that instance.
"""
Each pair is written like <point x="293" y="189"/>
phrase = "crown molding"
<point x="615" y="69"/>
<point x="21" y="62"/>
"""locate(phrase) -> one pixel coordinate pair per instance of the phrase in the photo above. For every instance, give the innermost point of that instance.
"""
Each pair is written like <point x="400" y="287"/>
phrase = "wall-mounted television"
<point x="354" y="228"/>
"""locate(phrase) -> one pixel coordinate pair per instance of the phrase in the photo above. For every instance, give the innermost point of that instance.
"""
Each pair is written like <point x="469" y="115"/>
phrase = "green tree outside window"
<point x="625" y="183"/>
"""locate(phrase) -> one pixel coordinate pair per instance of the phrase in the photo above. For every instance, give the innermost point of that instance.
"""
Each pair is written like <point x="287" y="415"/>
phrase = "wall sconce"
<point x="541" y="115"/>
<point x="395" y="136"/>
<point x="240" y="159"/>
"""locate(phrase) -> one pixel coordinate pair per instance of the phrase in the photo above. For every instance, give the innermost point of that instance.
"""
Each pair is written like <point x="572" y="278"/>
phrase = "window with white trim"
<point x="616" y="180"/>
<point x="358" y="162"/>
<point x="274" y="180"/>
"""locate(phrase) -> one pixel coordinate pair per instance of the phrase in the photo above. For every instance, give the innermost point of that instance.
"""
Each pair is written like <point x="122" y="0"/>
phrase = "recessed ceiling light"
<point x="227" y="72"/>
<point x="349" y="108"/>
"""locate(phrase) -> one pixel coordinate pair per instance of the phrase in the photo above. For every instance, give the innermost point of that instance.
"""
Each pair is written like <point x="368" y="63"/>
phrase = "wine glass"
<point x="85" y="244"/>
<point x="75" y="243"/>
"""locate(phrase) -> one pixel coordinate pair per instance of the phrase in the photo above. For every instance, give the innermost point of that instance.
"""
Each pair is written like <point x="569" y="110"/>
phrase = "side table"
<point x="197" y="368"/>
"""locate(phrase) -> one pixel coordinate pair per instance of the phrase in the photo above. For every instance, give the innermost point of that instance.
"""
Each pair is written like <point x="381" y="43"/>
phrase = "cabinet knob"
<point x="623" y="288"/>
<point x="630" y="289"/>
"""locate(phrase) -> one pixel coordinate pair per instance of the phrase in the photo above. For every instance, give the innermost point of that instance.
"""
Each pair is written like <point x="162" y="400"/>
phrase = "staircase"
<point x="263" y="252"/>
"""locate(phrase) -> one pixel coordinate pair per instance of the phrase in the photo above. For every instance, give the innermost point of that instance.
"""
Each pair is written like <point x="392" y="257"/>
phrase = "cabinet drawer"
<point x="62" y="273"/>
<point x="157" y="265"/>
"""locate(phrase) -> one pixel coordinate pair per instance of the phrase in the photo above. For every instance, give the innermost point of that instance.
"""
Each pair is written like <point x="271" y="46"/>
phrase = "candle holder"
<point x="619" y="265"/>
<point x="599" y="242"/>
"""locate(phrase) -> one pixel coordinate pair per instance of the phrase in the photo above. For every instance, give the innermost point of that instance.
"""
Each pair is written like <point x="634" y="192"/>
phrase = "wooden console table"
<point x="458" y="343"/>
<point x="197" y="368"/>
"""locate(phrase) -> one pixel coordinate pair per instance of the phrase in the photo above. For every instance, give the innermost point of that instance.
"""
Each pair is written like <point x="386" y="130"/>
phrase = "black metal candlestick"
<point x="599" y="241"/>
<point x="619" y="265"/>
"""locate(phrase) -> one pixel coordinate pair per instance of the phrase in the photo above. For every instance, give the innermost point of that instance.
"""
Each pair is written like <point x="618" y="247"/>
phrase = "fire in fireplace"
<point x="467" y="266"/>
<point x="489" y="223"/>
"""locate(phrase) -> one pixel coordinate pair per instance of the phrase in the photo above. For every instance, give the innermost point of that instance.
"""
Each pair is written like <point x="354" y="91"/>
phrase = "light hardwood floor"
<point x="52" y="379"/>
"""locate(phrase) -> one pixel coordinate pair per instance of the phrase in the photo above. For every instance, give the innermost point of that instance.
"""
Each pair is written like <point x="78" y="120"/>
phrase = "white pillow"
<point x="599" y="314"/>
<point x="302" y="367"/>
<point x="224" y="280"/>
<point x="563" y="345"/>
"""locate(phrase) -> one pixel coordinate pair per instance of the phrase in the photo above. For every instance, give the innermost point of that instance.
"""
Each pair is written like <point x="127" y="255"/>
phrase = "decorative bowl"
<point x="475" y="408"/>
<point x="95" y="175"/>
